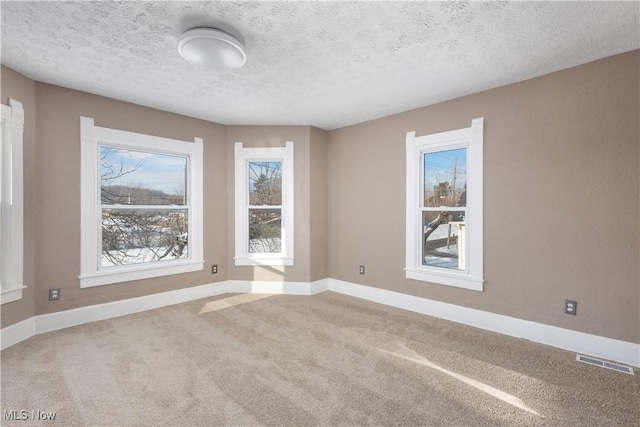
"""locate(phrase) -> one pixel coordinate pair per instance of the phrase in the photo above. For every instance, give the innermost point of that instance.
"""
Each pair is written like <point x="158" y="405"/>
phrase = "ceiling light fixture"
<point x="212" y="48"/>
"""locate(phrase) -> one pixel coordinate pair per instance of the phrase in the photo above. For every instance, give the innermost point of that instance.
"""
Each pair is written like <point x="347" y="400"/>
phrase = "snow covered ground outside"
<point x="268" y="245"/>
<point x="443" y="257"/>
<point x="138" y="256"/>
<point x="447" y="258"/>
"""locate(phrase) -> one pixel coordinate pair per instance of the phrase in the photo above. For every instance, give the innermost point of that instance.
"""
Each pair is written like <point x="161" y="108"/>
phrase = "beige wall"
<point x="275" y="136"/>
<point x="57" y="176"/>
<point x="318" y="220"/>
<point x="561" y="198"/>
<point x="21" y="88"/>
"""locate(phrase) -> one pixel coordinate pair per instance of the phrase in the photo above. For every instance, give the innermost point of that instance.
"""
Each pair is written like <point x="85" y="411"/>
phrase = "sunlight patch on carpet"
<point x="485" y="388"/>
<point x="223" y="303"/>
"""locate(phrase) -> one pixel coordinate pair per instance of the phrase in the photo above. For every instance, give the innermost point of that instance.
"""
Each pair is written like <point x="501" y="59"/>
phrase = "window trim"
<point x="472" y="139"/>
<point x="244" y="155"/>
<point x="91" y="138"/>
<point x="12" y="243"/>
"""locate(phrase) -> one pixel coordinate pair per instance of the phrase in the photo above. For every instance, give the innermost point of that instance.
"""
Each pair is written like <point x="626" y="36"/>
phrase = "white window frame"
<point x="244" y="155"/>
<point x="91" y="272"/>
<point x="11" y="196"/>
<point x="472" y="139"/>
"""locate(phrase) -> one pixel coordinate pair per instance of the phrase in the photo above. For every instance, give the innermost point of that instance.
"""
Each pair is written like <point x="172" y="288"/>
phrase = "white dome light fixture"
<point x="212" y="48"/>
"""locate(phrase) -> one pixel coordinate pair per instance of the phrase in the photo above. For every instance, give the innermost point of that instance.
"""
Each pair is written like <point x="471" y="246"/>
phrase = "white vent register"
<point x="604" y="364"/>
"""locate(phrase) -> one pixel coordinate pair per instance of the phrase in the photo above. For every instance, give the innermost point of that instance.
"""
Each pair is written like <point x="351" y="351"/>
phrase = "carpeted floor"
<point x="327" y="359"/>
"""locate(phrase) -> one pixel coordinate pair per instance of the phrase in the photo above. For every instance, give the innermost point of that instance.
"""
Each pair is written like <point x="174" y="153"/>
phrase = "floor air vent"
<point x="604" y="364"/>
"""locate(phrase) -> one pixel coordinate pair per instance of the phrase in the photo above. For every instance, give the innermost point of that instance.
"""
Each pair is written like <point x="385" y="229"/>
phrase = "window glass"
<point x="265" y="230"/>
<point x="136" y="182"/>
<point x="445" y="178"/>
<point x="265" y="183"/>
<point x="135" y="236"/>
<point x="130" y="177"/>
<point x="443" y="238"/>
<point x="445" y="186"/>
<point x="265" y="189"/>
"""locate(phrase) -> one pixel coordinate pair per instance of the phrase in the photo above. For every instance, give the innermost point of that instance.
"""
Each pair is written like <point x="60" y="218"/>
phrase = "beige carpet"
<point x="328" y="359"/>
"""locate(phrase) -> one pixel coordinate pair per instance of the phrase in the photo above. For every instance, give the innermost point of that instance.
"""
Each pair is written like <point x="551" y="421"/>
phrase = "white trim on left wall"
<point x="12" y="206"/>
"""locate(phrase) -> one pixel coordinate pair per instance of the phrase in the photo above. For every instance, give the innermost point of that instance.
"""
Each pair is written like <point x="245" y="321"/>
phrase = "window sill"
<point x="446" y="278"/>
<point x="11" y="295"/>
<point x="248" y="261"/>
<point x="139" y="272"/>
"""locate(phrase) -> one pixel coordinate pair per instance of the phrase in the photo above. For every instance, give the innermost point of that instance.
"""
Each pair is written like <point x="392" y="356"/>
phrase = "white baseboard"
<point x="606" y="348"/>
<point x="319" y="286"/>
<point x="594" y="345"/>
<point x="17" y="332"/>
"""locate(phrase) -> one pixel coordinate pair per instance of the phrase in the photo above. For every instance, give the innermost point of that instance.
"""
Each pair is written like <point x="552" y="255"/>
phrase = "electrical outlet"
<point x="214" y="269"/>
<point x="362" y="269"/>
<point x="54" y="294"/>
<point x="570" y="307"/>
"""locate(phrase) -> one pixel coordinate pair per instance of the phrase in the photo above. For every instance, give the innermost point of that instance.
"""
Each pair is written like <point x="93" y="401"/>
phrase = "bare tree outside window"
<point x="144" y="206"/>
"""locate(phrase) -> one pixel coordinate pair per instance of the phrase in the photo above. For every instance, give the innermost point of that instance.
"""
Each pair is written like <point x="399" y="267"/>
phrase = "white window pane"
<point x="131" y="177"/>
<point x="141" y="204"/>
<point x="264" y="203"/>
<point x="444" y="207"/>
<point x="265" y="230"/>
<point x="139" y="236"/>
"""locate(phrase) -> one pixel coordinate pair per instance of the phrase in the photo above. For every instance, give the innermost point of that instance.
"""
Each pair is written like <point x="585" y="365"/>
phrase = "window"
<point x="264" y="205"/>
<point x="444" y="207"/>
<point x="141" y="206"/>
<point x="11" y="195"/>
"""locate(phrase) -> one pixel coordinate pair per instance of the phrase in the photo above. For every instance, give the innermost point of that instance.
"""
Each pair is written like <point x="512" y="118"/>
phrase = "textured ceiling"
<point x="326" y="64"/>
